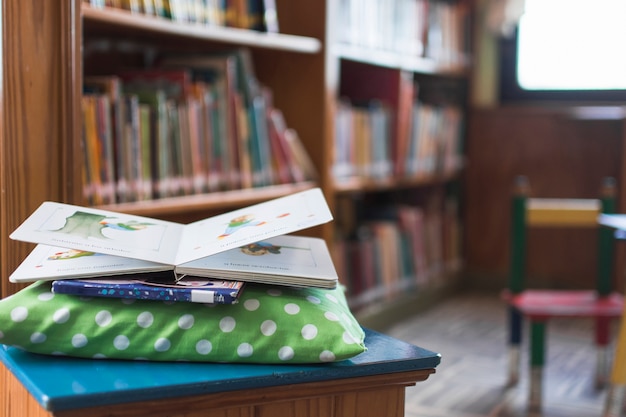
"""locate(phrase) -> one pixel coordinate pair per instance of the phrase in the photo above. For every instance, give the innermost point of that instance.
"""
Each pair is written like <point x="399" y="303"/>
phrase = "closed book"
<point x="161" y="287"/>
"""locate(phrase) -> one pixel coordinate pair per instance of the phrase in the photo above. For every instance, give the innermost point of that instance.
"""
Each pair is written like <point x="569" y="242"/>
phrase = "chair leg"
<point x="515" y="340"/>
<point x="615" y="396"/>
<point x="602" y="337"/>
<point x="602" y="367"/>
<point x="614" y="401"/>
<point x="537" y="359"/>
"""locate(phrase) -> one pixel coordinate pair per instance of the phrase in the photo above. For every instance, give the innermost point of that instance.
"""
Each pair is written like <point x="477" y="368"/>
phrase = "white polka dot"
<point x="99" y="356"/>
<point x="103" y="318"/>
<point x="62" y="315"/>
<point x="186" y="321"/>
<point x="45" y="296"/>
<point x="309" y="331"/>
<point x="204" y="347"/>
<point x="332" y="298"/>
<point x="274" y="292"/>
<point x="348" y="338"/>
<point x="327" y="356"/>
<point x="162" y="345"/>
<point x="38" y="337"/>
<point x="252" y="304"/>
<point x="285" y="353"/>
<point x="292" y="308"/>
<point x="313" y="299"/>
<point x="145" y="319"/>
<point x="128" y="301"/>
<point x="121" y="342"/>
<point x="19" y="314"/>
<point x="331" y="316"/>
<point x="268" y="327"/>
<point x="1" y="335"/>
<point x="79" y="340"/>
<point x="244" y="350"/>
<point x="227" y="324"/>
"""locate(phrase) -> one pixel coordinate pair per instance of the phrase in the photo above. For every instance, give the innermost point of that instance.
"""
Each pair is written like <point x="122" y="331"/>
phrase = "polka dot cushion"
<point x="267" y="325"/>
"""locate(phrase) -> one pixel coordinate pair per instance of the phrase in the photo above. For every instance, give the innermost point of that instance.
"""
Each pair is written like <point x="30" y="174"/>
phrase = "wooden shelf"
<point x="360" y="184"/>
<point x="391" y="59"/>
<point x="216" y="201"/>
<point x="111" y="21"/>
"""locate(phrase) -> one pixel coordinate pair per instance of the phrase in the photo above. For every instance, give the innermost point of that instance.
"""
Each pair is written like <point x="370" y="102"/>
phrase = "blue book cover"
<point x="160" y="288"/>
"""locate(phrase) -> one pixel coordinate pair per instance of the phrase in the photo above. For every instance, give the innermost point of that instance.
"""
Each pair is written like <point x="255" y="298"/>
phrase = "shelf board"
<point x="362" y="184"/>
<point x="597" y="113"/>
<point x="111" y="18"/>
<point x="390" y="59"/>
<point x="216" y="201"/>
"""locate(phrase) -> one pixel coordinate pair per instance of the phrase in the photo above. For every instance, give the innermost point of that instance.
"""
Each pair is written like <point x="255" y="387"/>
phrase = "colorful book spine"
<point x="195" y="124"/>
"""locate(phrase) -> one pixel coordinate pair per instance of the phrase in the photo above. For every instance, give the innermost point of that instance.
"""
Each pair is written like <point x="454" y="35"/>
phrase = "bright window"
<point x="572" y="45"/>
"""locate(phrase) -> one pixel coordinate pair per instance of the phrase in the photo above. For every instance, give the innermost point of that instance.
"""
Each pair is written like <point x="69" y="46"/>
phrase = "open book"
<point x="101" y="243"/>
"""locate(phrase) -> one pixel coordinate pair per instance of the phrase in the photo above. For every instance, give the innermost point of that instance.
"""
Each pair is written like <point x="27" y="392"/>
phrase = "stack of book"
<point x="92" y="252"/>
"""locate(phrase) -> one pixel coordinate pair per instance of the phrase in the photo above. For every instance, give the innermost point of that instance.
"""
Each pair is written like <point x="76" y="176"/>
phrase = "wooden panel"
<point x="311" y="407"/>
<point x="39" y="74"/>
<point x="15" y="400"/>
<point x="563" y="158"/>
<point x="388" y="402"/>
<point x="226" y="412"/>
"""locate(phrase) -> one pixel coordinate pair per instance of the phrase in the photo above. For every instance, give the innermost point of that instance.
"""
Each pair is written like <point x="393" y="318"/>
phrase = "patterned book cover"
<point x="186" y="289"/>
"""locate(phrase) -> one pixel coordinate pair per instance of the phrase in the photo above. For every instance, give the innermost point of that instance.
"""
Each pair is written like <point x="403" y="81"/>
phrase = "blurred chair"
<point x="537" y="306"/>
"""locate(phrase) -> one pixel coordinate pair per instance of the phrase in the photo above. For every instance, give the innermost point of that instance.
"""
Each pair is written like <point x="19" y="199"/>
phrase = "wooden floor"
<point x="469" y="332"/>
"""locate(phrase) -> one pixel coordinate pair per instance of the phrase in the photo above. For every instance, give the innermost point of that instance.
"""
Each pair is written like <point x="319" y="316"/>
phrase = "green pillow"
<point x="268" y="325"/>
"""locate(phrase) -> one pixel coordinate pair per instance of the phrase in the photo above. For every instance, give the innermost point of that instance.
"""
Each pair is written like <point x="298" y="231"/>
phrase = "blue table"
<point x="371" y="384"/>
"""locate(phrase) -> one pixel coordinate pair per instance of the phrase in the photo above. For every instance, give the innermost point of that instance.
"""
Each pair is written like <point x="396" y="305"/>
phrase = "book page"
<point x="49" y="262"/>
<point x="293" y="256"/>
<point x="254" y="223"/>
<point x="125" y="235"/>
<point x="101" y="231"/>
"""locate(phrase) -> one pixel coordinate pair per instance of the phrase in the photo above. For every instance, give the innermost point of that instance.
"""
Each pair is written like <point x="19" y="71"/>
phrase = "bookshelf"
<point x="51" y="50"/>
<point x="397" y="230"/>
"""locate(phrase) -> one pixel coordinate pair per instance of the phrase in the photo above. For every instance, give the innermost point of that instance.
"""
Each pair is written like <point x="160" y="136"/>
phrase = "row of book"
<point x="193" y="125"/>
<point x="433" y="29"/>
<point x="402" y="247"/>
<point x="257" y="15"/>
<point x="366" y="146"/>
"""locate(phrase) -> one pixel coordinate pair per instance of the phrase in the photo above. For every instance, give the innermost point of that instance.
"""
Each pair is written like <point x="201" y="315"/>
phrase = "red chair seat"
<point x="543" y="304"/>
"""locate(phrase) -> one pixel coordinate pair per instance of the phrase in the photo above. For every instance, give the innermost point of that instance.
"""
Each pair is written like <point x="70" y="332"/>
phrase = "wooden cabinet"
<point x="370" y="384"/>
<point x="50" y="48"/>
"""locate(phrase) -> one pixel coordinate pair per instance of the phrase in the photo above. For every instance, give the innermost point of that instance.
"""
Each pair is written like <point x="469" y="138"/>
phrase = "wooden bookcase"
<point x="46" y="53"/>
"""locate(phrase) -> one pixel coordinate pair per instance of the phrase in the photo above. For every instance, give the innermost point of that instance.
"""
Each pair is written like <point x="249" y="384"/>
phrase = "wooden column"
<point x="40" y="124"/>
